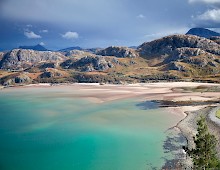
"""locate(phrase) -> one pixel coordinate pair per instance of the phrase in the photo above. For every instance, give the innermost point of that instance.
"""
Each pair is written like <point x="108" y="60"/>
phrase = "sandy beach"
<point x="147" y="91"/>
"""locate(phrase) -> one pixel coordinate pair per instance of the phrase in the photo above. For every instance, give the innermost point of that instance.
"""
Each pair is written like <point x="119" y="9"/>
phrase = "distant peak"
<point x="202" y="32"/>
<point x="37" y="47"/>
<point x="70" y="49"/>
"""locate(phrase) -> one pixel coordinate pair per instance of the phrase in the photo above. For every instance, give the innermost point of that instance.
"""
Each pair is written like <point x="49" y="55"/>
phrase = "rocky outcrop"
<point x="47" y="65"/>
<point x="51" y="73"/>
<point x="167" y="45"/>
<point x="90" y="63"/>
<point x="215" y="39"/>
<point x="18" y="59"/>
<point x="120" y="52"/>
<point x="176" y="66"/>
<point x="201" y="61"/>
<point x="1" y="55"/>
<point x="21" y="78"/>
<point x="74" y="53"/>
<point x="186" y="52"/>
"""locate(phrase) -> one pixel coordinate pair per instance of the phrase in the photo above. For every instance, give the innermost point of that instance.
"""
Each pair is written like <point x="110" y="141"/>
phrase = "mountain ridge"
<point x="170" y="58"/>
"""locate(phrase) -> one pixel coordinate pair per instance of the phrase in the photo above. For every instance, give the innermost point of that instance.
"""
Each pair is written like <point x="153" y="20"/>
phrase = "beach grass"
<point x="217" y="114"/>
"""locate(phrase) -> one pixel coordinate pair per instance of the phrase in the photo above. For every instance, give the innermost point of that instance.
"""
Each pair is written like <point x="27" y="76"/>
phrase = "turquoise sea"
<point x="47" y="129"/>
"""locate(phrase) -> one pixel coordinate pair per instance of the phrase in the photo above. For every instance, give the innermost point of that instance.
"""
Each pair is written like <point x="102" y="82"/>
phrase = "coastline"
<point x="152" y="91"/>
<point x="188" y="127"/>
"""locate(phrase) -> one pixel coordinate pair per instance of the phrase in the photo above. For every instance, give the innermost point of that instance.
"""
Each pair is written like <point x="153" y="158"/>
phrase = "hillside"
<point x="171" y="58"/>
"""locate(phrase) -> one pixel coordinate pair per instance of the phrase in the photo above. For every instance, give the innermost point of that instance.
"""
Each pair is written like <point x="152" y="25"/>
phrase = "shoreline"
<point x="98" y="93"/>
<point x="188" y="127"/>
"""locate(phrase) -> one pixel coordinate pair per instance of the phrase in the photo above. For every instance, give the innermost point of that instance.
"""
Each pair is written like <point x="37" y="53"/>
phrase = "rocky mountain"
<point x="37" y="47"/>
<point x="171" y="58"/>
<point x="186" y="54"/>
<point x="202" y="32"/>
<point x="19" y="59"/>
<point x="120" y="52"/>
<point x="166" y="46"/>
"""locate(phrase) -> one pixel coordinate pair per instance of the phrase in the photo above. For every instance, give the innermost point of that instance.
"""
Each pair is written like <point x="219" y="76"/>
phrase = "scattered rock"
<point x="74" y="52"/>
<point x="120" y="52"/>
<point x="89" y="63"/>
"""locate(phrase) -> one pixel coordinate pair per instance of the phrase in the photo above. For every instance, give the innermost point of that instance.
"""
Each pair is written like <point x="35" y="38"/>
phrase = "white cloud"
<point x="70" y="35"/>
<point x="42" y="43"/>
<point x="44" y="31"/>
<point x="211" y="15"/>
<point x="205" y="1"/>
<point x="29" y="25"/>
<point x="153" y="36"/>
<point x="31" y="35"/>
<point x="141" y="16"/>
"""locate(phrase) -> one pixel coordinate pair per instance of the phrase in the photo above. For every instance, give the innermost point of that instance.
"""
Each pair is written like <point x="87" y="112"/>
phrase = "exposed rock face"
<point x="47" y="65"/>
<point x="22" y="78"/>
<point x="75" y="52"/>
<point x="176" y="66"/>
<point x="202" y="32"/>
<point x="166" y="45"/>
<point x="21" y="59"/>
<point x="50" y="73"/>
<point x="1" y="55"/>
<point x="89" y="63"/>
<point x="186" y="52"/>
<point x="199" y="61"/>
<point x="120" y="52"/>
<point x="215" y="39"/>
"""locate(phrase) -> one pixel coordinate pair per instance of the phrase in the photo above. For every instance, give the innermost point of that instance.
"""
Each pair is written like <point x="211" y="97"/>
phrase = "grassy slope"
<point x="132" y="70"/>
<point x="217" y="114"/>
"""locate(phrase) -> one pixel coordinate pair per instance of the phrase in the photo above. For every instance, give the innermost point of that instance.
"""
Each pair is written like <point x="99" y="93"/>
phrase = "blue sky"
<point x="100" y="23"/>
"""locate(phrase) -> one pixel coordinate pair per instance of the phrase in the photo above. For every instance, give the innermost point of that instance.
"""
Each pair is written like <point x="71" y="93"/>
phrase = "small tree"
<point x="204" y="155"/>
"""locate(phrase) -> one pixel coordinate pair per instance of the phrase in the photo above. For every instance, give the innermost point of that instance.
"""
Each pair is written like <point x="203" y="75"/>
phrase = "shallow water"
<point x="47" y="129"/>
